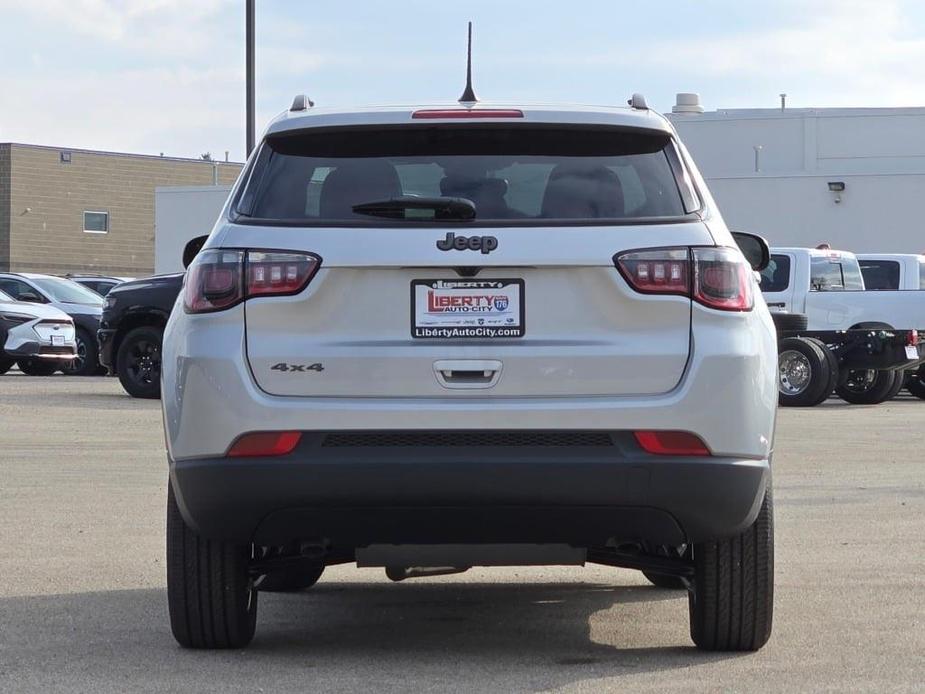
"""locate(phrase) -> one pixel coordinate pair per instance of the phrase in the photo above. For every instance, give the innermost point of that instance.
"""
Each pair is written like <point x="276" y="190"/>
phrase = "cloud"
<point x="841" y="52"/>
<point x="175" y="110"/>
<point x="162" y="27"/>
<point x="167" y="75"/>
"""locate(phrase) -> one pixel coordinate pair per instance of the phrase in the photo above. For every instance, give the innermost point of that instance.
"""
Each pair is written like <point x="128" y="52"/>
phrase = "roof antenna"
<point x="468" y="96"/>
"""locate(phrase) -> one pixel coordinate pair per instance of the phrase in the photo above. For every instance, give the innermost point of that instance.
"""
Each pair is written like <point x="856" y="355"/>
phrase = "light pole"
<point x="249" y="72"/>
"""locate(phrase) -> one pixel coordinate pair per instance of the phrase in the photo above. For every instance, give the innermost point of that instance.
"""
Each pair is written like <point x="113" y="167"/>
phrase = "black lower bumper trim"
<point x="104" y="339"/>
<point x="351" y="498"/>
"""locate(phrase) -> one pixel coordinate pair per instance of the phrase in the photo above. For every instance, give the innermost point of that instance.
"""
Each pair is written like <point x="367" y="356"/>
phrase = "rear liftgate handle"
<point x="467" y="373"/>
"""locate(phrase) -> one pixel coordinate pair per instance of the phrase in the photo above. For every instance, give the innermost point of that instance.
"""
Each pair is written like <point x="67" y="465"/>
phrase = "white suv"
<point x="434" y="338"/>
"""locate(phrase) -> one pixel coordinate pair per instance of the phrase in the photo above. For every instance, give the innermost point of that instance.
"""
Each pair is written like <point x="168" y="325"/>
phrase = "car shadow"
<point x="410" y="636"/>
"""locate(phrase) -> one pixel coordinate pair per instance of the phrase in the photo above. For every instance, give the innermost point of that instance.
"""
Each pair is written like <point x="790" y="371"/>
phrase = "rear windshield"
<point x="776" y="276"/>
<point x="510" y="174"/>
<point x="880" y="274"/>
<point x="835" y="274"/>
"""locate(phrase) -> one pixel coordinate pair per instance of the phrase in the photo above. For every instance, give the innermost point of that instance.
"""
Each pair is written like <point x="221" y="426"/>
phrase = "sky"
<point x="167" y="76"/>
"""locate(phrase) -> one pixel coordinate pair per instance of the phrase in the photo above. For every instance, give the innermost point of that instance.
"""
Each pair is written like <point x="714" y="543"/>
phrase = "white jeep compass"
<point x="433" y="338"/>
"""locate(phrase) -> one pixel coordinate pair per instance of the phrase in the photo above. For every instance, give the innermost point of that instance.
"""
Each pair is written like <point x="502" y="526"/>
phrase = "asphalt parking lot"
<point x="83" y="600"/>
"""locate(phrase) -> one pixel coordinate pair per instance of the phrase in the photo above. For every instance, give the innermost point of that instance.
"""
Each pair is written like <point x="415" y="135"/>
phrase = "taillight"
<point x="264" y="443"/>
<point x="715" y="277"/>
<point x="671" y="443"/>
<point x="219" y="279"/>
<point x="214" y="281"/>
<point x="269" y="272"/>
<point x="913" y="338"/>
<point x="723" y="279"/>
<point x="657" y="272"/>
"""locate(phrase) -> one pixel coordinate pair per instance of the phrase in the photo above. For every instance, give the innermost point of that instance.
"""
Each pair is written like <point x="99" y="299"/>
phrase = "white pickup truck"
<point x="832" y="334"/>
<point x="827" y="286"/>
<point x="884" y="271"/>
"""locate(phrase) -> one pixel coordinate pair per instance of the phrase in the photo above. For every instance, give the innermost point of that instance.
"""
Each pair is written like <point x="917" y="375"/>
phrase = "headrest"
<point x="353" y="182"/>
<point x="575" y="191"/>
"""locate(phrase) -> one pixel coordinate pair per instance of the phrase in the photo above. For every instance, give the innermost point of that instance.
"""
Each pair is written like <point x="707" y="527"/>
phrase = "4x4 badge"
<point x="486" y="244"/>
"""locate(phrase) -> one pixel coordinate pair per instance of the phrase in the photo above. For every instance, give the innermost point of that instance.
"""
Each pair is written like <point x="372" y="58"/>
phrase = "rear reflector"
<point x="671" y="443"/>
<point x="264" y="443"/>
<point x="469" y="113"/>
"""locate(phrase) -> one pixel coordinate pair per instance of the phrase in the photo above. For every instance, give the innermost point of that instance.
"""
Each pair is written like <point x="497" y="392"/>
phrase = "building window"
<point x="65" y="157"/>
<point x="96" y="222"/>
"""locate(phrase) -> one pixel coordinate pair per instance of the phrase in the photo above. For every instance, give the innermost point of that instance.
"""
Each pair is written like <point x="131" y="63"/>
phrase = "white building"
<point x="851" y="177"/>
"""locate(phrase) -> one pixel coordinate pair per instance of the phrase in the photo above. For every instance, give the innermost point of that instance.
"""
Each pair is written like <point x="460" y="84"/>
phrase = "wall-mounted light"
<point x="837" y="187"/>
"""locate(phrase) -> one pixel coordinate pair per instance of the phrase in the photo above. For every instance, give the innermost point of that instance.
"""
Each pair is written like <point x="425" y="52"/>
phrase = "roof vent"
<point x="638" y="101"/>
<point x="687" y="102"/>
<point x="301" y="103"/>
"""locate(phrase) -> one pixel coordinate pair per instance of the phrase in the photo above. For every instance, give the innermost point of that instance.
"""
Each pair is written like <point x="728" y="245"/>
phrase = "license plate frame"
<point x="500" y="303"/>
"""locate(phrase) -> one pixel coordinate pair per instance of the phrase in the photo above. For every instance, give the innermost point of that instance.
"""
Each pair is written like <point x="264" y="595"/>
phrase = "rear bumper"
<point x="352" y="496"/>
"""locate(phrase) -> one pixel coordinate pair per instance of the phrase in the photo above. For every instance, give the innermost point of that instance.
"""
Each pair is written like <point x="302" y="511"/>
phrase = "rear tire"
<point x="6" y="364"/>
<point x="865" y="387"/>
<point x="665" y="581"/>
<point x="899" y="381"/>
<point x="732" y="601"/>
<point x="138" y="362"/>
<point x="833" y="371"/>
<point x="916" y="382"/>
<point x="38" y="367"/>
<point x="87" y="362"/>
<point x="210" y="595"/>
<point x="803" y="372"/>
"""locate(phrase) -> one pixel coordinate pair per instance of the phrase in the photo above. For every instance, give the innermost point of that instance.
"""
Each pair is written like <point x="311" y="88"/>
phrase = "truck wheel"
<point x="899" y="381"/>
<point x="916" y="382"/>
<point x="803" y="372"/>
<point x="731" y="604"/>
<point x="865" y="386"/>
<point x="6" y="364"/>
<point x="38" y="367"/>
<point x="789" y="322"/>
<point x="833" y="370"/>
<point x="291" y="580"/>
<point x="138" y="362"/>
<point x="665" y="581"/>
<point x="87" y="362"/>
<point x="210" y="595"/>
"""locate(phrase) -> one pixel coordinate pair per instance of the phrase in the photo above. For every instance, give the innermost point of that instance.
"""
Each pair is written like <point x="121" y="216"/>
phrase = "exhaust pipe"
<point x="400" y="573"/>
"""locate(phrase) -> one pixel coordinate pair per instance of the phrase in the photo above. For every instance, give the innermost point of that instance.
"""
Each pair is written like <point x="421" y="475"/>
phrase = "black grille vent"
<point x="376" y="439"/>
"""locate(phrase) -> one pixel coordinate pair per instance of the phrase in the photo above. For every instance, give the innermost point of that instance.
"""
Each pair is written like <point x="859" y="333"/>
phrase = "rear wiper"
<point x="417" y="208"/>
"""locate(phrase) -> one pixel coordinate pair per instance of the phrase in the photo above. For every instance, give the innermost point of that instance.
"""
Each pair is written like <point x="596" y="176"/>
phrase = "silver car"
<point x="433" y="338"/>
<point x="37" y="336"/>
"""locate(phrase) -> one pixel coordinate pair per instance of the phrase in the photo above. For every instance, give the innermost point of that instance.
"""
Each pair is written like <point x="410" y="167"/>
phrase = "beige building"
<point x="70" y="210"/>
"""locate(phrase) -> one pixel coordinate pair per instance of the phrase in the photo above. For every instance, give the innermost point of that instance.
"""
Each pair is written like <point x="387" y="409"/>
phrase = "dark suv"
<point x="131" y="329"/>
